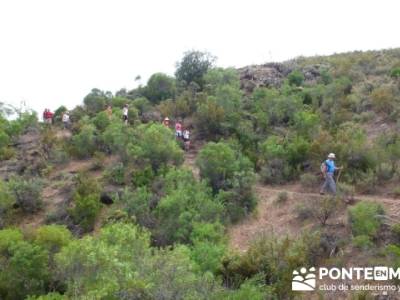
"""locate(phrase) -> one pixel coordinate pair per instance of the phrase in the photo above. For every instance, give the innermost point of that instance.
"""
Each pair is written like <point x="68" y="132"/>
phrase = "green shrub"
<point x="160" y="87"/>
<point x="59" y="156"/>
<point x="86" y="201"/>
<point x="143" y="176"/>
<point x="282" y="198"/>
<point x="209" y="118"/>
<point x="116" y="174"/>
<point x="118" y="263"/>
<point x="7" y="200"/>
<point x="50" y="296"/>
<point x="274" y="259"/>
<point x="27" y="193"/>
<point x="25" y="270"/>
<point x="84" y="143"/>
<point x="86" y="185"/>
<point x="218" y="163"/>
<point x="98" y="160"/>
<point x="230" y="174"/>
<point x="138" y="204"/>
<point x="296" y="78"/>
<point x="86" y="210"/>
<point x="395" y="73"/>
<point x="142" y="105"/>
<point x="185" y="202"/>
<point x="276" y="171"/>
<point x="101" y="121"/>
<point x="193" y="67"/>
<point x="363" y="242"/>
<point x="346" y="192"/>
<point x="303" y="212"/>
<point x="155" y="146"/>
<point x="396" y="231"/>
<point x="52" y="237"/>
<point x="309" y="181"/>
<point x="365" y="218"/>
<point x="384" y="172"/>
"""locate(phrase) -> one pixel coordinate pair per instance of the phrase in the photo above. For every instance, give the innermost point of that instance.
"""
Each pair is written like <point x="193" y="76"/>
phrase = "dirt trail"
<point x="190" y="162"/>
<point x="280" y="219"/>
<point x="270" y="217"/>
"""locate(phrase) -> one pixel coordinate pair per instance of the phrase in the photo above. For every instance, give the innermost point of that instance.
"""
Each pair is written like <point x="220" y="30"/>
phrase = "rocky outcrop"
<point x="274" y="74"/>
<point x="29" y="158"/>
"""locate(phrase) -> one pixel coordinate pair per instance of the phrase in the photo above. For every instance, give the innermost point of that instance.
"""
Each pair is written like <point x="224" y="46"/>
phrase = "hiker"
<point x="44" y="116"/>
<point x="186" y="139"/>
<point x="125" y="114"/>
<point x="328" y="169"/>
<point x="178" y="129"/>
<point x="166" y="122"/>
<point x="109" y="111"/>
<point x="65" y="119"/>
<point x="47" y="116"/>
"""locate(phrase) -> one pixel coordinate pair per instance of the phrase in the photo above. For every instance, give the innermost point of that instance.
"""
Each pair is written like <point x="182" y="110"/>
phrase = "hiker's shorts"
<point x="329" y="184"/>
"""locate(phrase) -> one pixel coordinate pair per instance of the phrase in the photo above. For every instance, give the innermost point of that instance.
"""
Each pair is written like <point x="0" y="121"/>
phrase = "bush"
<point x="365" y="218"/>
<point x="118" y="263"/>
<point x="86" y="202"/>
<point x="98" y="160"/>
<point x="230" y="174"/>
<point x="185" y="203"/>
<point x="155" y="146"/>
<point x="116" y="174"/>
<point x="363" y="242"/>
<point x="346" y="192"/>
<point x="209" y="118"/>
<point x="218" y="163"/>
<point x="321" y="209"/>
<point x="86" y="210"/>
<point x="52" y="237"/>
<point x="84" y="143"/>
<point x="296" y="78"/>
<point x="7" y="200"/>
<point x="27" y="193"/>
<point x="193" y="66"/>
<point x="101" y="121"/>
<point x="274" y="259"/>
<point x="50" y="296"/>
<point x="275" y="171"/>
<point x="303" y="212"/>
<point x="309" y="181"/>
<point x="282" y="198"/>
<point x="25" y="268"/>
<point x="395" y="73"/>
<point x="160" y="87"/>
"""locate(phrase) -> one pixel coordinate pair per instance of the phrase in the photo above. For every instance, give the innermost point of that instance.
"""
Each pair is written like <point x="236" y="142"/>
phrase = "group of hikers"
<point x="48" y="117"/>
<point x="328" y="167"/>
<point x="181" y="133"/>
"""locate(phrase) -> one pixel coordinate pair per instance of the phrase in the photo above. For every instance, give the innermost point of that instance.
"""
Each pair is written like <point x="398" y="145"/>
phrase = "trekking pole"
<point x="338" y="177"/>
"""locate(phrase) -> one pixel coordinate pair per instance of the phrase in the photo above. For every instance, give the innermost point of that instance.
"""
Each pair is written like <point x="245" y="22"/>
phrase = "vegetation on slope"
<point x="162" y="234"/>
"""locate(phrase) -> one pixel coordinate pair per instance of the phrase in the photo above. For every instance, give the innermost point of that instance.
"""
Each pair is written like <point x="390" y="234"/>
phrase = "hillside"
<point x="90" y="208"/>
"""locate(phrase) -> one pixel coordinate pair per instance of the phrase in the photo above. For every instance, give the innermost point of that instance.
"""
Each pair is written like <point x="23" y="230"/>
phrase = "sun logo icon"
<point x="304" y="280"/>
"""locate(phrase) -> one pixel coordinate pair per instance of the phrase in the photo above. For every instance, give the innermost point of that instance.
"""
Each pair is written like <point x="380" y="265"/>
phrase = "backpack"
<point x="323" y="167"/>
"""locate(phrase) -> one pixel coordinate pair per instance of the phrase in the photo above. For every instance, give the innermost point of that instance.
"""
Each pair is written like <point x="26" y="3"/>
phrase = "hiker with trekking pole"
<point x="328" y="169"/>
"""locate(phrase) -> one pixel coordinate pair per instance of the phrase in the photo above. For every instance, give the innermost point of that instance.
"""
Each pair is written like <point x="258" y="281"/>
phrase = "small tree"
<point x="193" y="66"/>
<point x="296" y="78"/>
<point x="155" y="145"/>
<point x="27" y="193"/>
<point x="160" y="87"/>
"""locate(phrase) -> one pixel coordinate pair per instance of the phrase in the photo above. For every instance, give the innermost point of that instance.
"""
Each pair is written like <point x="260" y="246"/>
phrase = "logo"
<point x="304" y="280"/>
